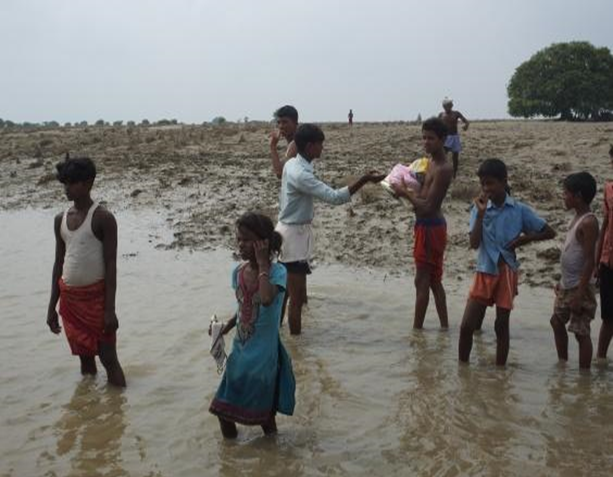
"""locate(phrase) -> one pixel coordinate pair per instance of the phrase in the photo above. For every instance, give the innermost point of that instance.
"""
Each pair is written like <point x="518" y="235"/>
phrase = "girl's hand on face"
<point x="262" y="253"/>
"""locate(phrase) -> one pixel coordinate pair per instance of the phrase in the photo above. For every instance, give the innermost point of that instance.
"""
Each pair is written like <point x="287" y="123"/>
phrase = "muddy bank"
<point x="201" y="178"/>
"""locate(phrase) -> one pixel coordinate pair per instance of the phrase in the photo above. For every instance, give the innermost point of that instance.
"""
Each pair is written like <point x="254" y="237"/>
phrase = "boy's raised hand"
<point x="275" y="136"/>
<point x="481" y="204"/>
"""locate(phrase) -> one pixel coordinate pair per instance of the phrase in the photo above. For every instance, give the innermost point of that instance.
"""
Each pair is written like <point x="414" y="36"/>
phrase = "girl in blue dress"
<point x="258" y="380"/>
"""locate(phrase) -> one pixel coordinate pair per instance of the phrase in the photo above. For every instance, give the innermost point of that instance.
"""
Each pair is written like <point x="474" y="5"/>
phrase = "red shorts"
<point x="499" y="290"/>
<point x="430" y="244"/>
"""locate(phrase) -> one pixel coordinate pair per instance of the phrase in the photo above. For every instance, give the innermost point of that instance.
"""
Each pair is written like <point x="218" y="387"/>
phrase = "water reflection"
<point x="90" y="430"/>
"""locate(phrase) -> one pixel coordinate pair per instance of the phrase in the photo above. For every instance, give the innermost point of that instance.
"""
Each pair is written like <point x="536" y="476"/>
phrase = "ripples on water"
<point x="373" y="398"/>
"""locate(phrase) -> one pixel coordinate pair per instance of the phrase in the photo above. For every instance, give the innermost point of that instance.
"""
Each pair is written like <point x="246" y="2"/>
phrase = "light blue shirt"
<point x="298" y="188"/>
<point x="501" y="225"/>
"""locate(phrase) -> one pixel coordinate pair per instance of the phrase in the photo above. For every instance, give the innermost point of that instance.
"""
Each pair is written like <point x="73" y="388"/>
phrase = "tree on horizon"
<point x="572" y="81"/>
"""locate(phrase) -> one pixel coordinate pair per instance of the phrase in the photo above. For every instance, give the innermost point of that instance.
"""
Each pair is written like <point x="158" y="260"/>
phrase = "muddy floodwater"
<point x="373" y="397"/>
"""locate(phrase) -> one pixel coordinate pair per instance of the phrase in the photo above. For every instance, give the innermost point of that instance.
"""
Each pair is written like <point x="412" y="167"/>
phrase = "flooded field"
<point x="373" y="396"/>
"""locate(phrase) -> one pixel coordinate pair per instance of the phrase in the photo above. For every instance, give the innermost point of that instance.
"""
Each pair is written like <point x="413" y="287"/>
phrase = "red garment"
<point x="607" y="247"/>
<point x="499" y="290"/>
<point x="429" y="246"/>
<point x="82" y="311"/>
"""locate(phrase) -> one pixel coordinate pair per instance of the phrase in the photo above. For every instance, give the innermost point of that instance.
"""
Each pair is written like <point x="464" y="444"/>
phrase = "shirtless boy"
<point x="430" y="224"/>
<point x="287" y="123"/>
<point x="453" y="144"/>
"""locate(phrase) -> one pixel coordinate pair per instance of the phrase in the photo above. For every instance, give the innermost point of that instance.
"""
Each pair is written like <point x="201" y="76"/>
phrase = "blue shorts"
<point x="452" y="143"/>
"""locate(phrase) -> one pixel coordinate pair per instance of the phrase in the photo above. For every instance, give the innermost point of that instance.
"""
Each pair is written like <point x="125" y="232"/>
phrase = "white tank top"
<point x="572" y="257"/>
<point x="84" y="259"/>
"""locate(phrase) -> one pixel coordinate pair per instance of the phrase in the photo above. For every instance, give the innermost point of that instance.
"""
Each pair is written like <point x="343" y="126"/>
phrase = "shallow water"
<point x="373" y="397"/>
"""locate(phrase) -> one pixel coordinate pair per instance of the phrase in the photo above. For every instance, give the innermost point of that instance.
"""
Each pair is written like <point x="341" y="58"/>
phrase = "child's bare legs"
<point x="481" y="318"/>
<point x="502" y="335"/>
<point x="455" y="157"/>
<point x="440" y="300"/>
<point x="422" y="295"/>
<point x="296" y="289"/>
<point x="561" y="338"/>
<point x="108" y="356"/>
<point x="585" y="350"/>
<point x="228" y="429"/>
<point x="270" y="427"/>
<point x="88" y="365"/>
<point x="472" y="313"/>
<point x="606" y="333"/>
<point x="286" y="299"/>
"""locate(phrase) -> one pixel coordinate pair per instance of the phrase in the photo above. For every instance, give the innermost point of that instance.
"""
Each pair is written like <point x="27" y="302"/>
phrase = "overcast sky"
<point x="73" y="60"/>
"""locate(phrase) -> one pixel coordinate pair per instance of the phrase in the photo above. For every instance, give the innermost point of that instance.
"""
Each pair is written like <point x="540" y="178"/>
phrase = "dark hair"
<point x="582" y="184"/>
<point x="437" y="126"/>
<point x="611" y="150"/>
<point x="75" y="169"/>
<point x="263" y="227"/>
<point x="496" y="169"/>
<point x="287" y="111"/>
<point x="493" y="168"/>
<point x="308" y="133"/>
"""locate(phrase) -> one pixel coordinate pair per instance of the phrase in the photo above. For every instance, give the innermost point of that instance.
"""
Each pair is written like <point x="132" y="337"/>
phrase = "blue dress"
<point x="258" y="380"/>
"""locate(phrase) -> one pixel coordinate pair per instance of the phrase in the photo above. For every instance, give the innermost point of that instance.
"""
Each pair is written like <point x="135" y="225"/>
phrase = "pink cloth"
<point x="403" y="175"/>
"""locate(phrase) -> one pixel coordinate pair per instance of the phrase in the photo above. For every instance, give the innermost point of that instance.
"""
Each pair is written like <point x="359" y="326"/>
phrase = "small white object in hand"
<point x="218" y="346"/>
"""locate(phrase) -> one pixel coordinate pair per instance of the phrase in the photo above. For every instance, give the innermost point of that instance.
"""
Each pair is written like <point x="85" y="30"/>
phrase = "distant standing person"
<point x="350" y="117"/>
<point x="430" y="225"/>
<point x="287" y="123"/>
<point x="453" y="144"/>
<point x="85" y="273"/>
<point x="299" y="188"/>
<point x="604" y="262"/>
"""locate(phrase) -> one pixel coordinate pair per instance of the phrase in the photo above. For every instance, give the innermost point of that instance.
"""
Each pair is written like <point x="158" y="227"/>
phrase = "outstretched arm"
<point x="58" y="264"/>
<point x="311" y="185"/>
<point x="372" y="176"/>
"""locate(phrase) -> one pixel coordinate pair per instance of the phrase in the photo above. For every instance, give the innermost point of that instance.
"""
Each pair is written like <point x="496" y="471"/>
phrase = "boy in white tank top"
<point x="575" y="301"/>
<point x="84" y="273"/>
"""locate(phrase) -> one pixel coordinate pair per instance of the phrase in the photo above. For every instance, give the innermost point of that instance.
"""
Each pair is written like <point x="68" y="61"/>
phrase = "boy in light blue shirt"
<point x="299" y="188"/>
<point x="499" y="225"/>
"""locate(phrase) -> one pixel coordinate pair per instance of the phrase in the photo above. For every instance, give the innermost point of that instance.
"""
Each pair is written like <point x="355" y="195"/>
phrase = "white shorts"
<point x="297" y="242"/>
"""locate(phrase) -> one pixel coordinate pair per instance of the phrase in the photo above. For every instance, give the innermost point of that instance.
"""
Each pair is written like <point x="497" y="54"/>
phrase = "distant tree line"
<point x="7" y="123"/>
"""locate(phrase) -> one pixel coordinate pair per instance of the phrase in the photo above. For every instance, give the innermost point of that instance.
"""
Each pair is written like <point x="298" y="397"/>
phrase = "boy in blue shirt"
<point x="499" y="225"/>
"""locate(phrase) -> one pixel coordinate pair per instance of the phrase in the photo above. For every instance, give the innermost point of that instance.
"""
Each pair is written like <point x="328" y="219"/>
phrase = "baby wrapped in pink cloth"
<point x="411" y="176"/>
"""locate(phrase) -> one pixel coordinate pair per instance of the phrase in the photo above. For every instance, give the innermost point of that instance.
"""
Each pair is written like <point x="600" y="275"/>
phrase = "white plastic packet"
<point x="218" y="345"/>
